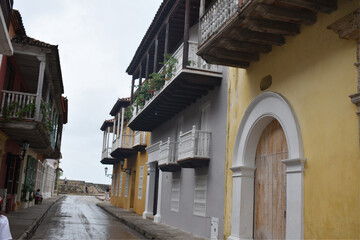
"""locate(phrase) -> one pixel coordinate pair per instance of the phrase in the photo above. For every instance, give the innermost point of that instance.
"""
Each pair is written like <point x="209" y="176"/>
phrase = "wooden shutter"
<point x="200" y="195"/>
<point x="127" y="184"/>
<point x="141" y="177"/>
<point x="175" y="195"/>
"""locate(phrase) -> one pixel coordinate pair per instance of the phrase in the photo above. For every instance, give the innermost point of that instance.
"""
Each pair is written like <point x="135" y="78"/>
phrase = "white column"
<point x="242" y="203"/>
<point x="150" y="190"/>
<point x="40" y="87"/>
<point x="107" y="136"/>
<point x="114" y="130"/>
<point x="294" y="198"/>
<point x="104" y="140"/>
<point x="122" y="126"/>
<point x="118" y="124"/>
<point x="157" y="217"/>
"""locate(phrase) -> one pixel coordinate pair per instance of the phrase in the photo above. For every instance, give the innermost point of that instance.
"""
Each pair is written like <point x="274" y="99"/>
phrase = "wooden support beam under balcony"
<point x="120" y="153"/>
<point x="180" y="92"/>
<point x="110" y="161"/>
<point x="228" y="31"/>
<point x="170" y="167"/>
<point x="34" y="132"/>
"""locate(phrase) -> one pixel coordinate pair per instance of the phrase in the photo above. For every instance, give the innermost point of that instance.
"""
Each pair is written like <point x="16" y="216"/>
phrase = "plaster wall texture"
<point x="185" y="219"/>
<point x="315" y="72"/>
<point x="131" y="202"/>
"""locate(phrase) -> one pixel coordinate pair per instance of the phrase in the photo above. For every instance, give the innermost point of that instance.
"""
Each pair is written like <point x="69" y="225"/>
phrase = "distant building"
<point x="125" y="150"/>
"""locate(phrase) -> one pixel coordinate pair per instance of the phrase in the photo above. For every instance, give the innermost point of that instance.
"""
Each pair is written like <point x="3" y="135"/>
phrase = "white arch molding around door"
<point x="261" y="111"/>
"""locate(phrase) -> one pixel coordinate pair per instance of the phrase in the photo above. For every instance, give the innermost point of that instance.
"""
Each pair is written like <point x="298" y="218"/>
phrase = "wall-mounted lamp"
<point x="106" y="174"/>
<point x="127" y="170"/>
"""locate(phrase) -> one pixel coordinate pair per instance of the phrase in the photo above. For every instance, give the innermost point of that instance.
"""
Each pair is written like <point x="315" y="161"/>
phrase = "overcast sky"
<point x="97" y="40"/>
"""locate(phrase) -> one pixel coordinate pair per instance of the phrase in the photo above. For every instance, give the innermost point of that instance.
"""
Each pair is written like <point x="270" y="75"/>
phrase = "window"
<point x="175" y="195"/>
<point x="141" y="177"/>
<point x="200" y="195"/>
<point x="127" y="184"/>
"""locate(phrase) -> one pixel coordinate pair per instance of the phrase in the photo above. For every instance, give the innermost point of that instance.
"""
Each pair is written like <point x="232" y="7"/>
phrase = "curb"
<point x="129" y="224"/>
<point x="37" y="222"/>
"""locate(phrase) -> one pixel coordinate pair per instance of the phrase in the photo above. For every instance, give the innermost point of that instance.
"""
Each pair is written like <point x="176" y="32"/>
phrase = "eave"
<point x="255" y="27"/>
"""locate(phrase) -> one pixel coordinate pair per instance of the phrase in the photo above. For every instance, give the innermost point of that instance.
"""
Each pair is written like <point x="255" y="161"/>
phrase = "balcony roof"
<point x="174" y="12"/>
<point x="24" y="44"/>
<point x="184" y="90"/>
<point x="256" y="26"/>
<point x="106" y="124"/>
<point x="120" y="103"/>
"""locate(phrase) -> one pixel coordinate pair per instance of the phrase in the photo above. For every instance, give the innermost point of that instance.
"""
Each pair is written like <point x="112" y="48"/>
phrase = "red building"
<point x="32" y="112"/>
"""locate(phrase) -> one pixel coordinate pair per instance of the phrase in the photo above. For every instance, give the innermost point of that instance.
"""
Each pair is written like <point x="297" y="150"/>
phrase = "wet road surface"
<point x="78" y="217"/>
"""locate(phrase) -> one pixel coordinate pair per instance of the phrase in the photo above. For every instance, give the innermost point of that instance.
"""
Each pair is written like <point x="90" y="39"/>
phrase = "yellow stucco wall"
<point x="315" y="72"/>
<point x="132" y="200"/>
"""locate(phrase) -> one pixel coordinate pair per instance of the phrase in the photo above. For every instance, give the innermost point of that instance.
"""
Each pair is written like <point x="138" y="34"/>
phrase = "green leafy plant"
<point x="128" y="113"/>
<point x="191" y="63"/>
<point x="156" y="81"/>
<point x="169" y="66"/>
<point x="18" y="111"/>
<point x="45" y="110"/>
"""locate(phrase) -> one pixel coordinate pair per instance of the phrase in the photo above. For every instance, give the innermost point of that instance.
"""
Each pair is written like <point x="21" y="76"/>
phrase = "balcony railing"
<point x="125" y="141"/>
<point x="153" y="152"/>
<point x="106" y="153"/>
<point x="18" y="105"/>
<point x="168" y="152"/>
<point x="194" y="144"/>
<point x="22" y="106"/>
<point x="195" y="62"/>
<point x="140" y="138"/>
<point x="220" y="12"/>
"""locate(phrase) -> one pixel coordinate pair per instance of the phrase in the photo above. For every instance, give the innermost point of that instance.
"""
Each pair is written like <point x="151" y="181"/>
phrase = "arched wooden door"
<point x="270" y="184"/>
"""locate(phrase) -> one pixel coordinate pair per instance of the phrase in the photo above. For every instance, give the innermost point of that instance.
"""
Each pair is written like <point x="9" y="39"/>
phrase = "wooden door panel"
<point x="270" y="184"/>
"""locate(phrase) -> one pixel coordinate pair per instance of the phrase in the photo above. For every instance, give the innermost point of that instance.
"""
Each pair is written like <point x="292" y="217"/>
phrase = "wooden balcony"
<point x="106" y="157"/>
<point x="22" y="117"/>
<point x="194" y="148"/>
<point x="140" y="140"/>
<point x="235" y="32"/>
<point x="122" y="146"/>
<point x="184" y="88"/>
<point x="168" y="156"/>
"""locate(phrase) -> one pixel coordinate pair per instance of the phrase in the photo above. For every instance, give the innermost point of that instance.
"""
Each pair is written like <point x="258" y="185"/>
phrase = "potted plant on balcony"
<point x="128" y="113"/>
<point x="169" y="66"/>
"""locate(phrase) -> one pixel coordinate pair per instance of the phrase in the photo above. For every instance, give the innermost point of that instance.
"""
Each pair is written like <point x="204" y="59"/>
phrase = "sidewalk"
<point x="24" y="221"/>
<point x="146" y="227"/>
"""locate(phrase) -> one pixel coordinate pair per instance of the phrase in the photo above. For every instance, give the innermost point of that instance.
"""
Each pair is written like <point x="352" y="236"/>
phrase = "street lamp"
<point x="106" y="174"/>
